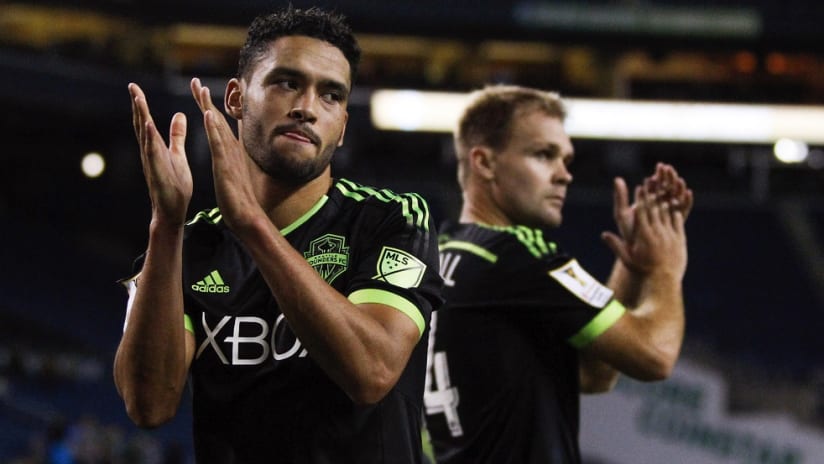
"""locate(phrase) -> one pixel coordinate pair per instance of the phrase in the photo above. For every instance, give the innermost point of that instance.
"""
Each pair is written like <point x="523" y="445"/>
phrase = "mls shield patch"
<point x="329" y="255"/>
<point x="399" y="268"/>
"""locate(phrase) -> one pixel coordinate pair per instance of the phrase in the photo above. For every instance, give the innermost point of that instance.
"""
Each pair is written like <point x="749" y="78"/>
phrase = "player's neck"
<point x="482" y="211"/>
<point x="284" y="204"/>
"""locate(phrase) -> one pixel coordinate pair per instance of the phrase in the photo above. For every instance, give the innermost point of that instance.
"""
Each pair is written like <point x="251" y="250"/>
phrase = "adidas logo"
<point x="212" y="283"/>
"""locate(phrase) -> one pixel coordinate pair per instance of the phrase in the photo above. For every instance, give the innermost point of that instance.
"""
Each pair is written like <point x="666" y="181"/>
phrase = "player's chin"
<point x="553" y="218"/>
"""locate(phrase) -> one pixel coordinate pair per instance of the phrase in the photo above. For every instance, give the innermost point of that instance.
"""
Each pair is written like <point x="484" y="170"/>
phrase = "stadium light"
<point x="410" y="110"/>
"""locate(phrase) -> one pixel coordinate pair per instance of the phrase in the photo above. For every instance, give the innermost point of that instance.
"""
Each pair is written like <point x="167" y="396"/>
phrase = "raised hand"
<point x="165" y="168"/>
<point x="659" y="241"/>
<point x="230" y="167"/>
<point x="665" y="186"/>
<point x="670" y="187"/>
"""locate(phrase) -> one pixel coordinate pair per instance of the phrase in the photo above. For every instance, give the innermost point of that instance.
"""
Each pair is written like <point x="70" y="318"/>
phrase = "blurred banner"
<point x="685" y="420"/>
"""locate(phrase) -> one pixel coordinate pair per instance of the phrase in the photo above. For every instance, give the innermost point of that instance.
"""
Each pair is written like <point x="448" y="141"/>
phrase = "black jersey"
<point x="502" y="381"/>
<point x="258" y="395"/>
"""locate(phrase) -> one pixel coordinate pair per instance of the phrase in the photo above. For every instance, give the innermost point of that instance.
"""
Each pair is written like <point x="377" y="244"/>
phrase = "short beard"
<point x="287" y="170"/>
<point x="291" y="171"/>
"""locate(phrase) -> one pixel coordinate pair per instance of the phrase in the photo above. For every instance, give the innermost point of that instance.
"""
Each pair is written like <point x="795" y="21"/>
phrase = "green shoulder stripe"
<point x="469" y="247"/>
<point x="211" y="216"/>
<point x="414" y="207"/>
<point x="532" y="239"/>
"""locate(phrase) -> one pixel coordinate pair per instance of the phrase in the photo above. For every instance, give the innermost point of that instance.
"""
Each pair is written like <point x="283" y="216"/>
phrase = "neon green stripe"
<point x="414" y="207"/>
<point x="471" y="248"/>
<point x="346" y="188"/>
<point x="187" y="323"/>
<point x="373" y="295"/>
<point x="216" y="275"/>
<point x="208" y="279"/>
<point x="532" y="239"/>
<point x="604" y="320"/>
<point x="299" y="222"/>
<point x="212" y="216"/>
<point x="539" y="241"/>
<point x="423" y="214"/>
<point x="524" y="237"/>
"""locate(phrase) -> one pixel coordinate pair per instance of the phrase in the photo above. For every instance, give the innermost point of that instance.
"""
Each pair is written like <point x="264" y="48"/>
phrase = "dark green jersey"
<point x="502" y="381"/>
<point x="258" y="394"/>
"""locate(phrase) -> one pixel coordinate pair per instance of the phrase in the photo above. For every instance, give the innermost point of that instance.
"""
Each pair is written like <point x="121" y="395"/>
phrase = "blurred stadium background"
<point x="754" y="284"/>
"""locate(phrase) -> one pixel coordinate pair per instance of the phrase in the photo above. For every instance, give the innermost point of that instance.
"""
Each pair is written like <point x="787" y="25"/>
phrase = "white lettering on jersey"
<point x="258" y="339"/>
<point x="131" y="287"/>
<point x="291" y="351"/>
<point x="449" y="261"/>
<point x="440" y="396"/>
<point x="210" y="337"/>
<point x="578" y="281"/>
<point x="246" y="330"/>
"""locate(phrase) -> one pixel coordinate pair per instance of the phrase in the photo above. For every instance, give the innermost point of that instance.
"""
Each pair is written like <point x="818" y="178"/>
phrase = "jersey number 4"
<point x="440" y="396"/>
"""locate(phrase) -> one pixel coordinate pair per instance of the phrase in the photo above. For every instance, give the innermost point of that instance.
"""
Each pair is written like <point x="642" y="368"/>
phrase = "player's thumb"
<point x="616" y="244"/>
<point x="177" y="134"/>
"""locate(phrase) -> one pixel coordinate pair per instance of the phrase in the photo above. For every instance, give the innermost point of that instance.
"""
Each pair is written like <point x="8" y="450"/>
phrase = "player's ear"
<point x="482" y="162"/>
<point x="233" y="99"/>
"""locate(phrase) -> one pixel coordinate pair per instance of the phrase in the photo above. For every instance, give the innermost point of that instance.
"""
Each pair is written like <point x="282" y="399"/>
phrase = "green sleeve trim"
<point x="187" y="323"/>
<point x="371" y="295"/>
<point x="471" y="248"/>
<point x="305" y="216"/>
<point x="603" y="321"/>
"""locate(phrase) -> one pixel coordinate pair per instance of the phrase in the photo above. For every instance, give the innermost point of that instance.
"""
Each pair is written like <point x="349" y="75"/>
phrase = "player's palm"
<point x="233" y="190"/>
<point x="165" y="168"/>
<point x="658" y="243"/>
<point x="665" y="186"/>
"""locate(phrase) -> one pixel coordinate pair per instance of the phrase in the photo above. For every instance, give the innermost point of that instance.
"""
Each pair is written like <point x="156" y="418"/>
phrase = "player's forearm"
<point x="626" y="284"/>
<point x="352" y="347"/>
<point x="150" y="367"/>
<point x="596" y="376"/>
<point x="662" y="314"/>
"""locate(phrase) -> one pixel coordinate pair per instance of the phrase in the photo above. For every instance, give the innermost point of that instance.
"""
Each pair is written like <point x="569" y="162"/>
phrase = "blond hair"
<point x="487" y="119"/>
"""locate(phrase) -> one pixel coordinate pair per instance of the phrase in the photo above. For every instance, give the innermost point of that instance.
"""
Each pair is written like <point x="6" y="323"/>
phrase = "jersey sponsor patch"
<point x="399" y="268"/>
<point x="578" y="281"/>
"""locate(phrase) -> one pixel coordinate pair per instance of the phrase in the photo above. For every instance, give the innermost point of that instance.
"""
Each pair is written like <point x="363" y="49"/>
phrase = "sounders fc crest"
<point x="329" y="255"/>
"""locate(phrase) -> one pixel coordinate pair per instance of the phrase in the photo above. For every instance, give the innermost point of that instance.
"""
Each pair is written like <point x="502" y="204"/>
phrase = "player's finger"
<point x="177" y="134"/>
<point x="642" y="213"/>
<point x="196" y="86"/>
<point x="213" y="133"/>
<point x="617" y="246"/>
<point x="140" y="110"/>
<point x="620" y="196"/>
<point x="203" y="96"/>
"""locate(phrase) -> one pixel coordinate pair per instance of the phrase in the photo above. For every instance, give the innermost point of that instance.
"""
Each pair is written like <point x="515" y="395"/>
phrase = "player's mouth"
<point x="298" y="134"/>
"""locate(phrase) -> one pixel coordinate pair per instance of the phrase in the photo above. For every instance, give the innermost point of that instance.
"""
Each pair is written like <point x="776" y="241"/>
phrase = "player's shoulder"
<point x="509" y="240"/>
<point x="410" y="205"/>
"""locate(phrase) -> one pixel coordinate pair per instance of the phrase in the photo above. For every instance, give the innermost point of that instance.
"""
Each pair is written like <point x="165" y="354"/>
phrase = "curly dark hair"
<point x="312" y="22"/>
